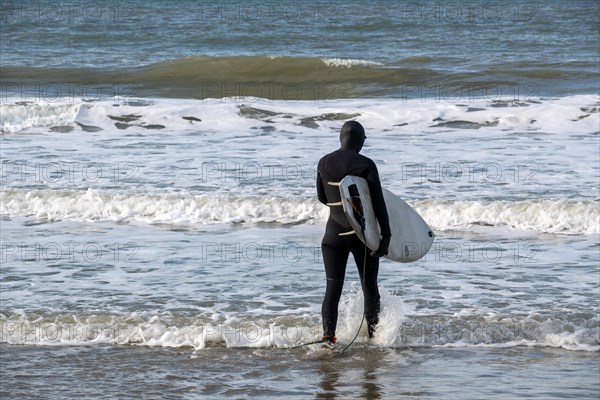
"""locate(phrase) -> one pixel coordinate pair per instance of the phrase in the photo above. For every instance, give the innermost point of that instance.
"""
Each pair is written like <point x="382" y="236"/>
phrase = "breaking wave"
<point x="552" y="216"/>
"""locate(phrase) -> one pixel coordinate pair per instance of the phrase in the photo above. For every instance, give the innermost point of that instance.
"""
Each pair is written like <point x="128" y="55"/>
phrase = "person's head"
<point x="352" y="136"/>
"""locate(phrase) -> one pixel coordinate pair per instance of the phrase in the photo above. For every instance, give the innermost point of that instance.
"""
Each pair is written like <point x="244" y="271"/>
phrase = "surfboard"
<point x="411" y="236"/>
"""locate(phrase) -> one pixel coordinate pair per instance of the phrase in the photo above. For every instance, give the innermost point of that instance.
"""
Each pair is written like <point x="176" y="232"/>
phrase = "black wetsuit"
<point x="334" y="167"/>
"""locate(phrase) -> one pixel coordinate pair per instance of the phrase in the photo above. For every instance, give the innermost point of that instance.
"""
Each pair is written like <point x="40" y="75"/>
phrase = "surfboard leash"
<point x="362" y="320"/>
<point x="306" y="344"/>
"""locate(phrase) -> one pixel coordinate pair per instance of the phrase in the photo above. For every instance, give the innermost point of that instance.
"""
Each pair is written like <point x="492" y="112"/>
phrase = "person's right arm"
<point x="320" y="189"/>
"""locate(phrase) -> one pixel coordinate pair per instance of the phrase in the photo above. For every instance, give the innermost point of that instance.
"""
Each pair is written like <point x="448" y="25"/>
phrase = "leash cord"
<point x="364" y="308"/>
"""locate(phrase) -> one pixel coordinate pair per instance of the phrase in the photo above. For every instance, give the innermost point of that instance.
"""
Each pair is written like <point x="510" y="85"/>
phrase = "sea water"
<point x="160" y="228"/>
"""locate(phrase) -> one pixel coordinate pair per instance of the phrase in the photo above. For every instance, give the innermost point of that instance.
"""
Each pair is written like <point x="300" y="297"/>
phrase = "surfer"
<point x="333" y="167"/>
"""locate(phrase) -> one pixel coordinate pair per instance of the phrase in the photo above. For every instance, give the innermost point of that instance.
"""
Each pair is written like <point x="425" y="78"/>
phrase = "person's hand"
<point x="383" y="247"/>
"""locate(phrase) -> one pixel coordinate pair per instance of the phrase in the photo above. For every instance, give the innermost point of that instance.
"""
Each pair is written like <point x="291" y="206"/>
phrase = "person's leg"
<point x="335" y="260"/>
<point x="369" y="283"/>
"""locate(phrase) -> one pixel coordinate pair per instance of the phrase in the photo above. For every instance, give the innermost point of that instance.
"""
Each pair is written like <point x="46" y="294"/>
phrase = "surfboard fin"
<point x="352" y="232"/>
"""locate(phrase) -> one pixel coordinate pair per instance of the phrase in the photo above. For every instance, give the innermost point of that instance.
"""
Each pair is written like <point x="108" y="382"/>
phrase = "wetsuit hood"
<point x="352" y="136"/>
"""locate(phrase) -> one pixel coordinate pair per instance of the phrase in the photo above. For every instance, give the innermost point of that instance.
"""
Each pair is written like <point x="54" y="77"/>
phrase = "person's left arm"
<point x="378" y="202"/>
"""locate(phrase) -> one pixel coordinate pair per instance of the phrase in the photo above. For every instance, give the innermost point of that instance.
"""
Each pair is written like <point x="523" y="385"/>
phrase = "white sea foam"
<point x="566" y="115"/>
<point x="19" y="117"/>
<point x="554" y="216"/>
<point x="394" y="330"/>
<point x="94" y="205"/>
<point x="349" y="62"/>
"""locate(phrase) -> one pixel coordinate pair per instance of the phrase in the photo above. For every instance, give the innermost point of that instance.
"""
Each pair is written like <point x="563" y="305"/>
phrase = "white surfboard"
<point x="411" y="236"/>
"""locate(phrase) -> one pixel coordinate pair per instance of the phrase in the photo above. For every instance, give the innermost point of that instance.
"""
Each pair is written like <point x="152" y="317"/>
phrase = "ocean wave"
<point x="94" y="205"/>
<point x="290" y="78"/>
<point x="18" y="117"/>
<point x="567" y="115"/>
<point x="551" y="216"/>
<point x="201" y="77"/>
<point x="198" y="333"/>
<point x="542" y="215"/>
